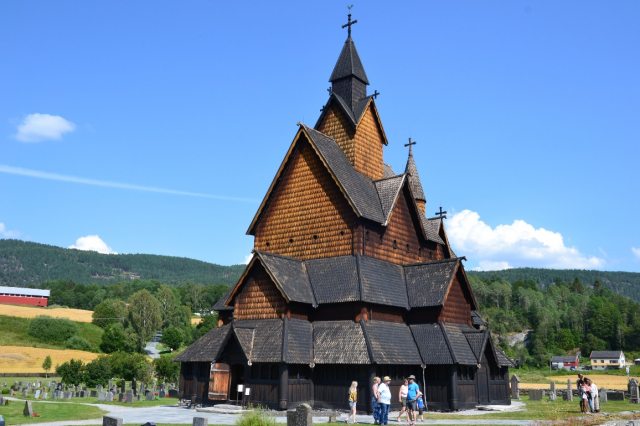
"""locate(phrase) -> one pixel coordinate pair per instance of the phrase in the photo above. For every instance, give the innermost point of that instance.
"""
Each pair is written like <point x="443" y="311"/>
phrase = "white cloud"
<point x="5" y="233"/>
<point x="41" y="127"/>
<point x="488" y="265"/>
<point x="247" y="259"/>
<point x="636" y="251"/>
<point x="92" y="243"/>
<point x="515" y="245"/>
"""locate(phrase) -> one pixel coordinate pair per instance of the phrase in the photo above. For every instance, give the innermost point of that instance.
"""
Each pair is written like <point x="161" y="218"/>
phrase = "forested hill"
<point x="24" y="263"/>
<point x="624" y="283"/>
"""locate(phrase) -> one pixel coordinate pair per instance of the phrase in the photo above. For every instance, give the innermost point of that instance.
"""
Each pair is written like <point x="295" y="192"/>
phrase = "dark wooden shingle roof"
<point x="391" y="343"/>
<point x="299" y="343"/>
<point x="428" y="283"/>
<point x="334" y="279"/>
<point x="339" y="342"/>
<point x="290" y="276"/>
<point x="382" y="282"/>
<point x="431" y="343"/>
<point x="267" y="341"/>
<point x="349" y="64"/>
<point x="459" y="345"/>
<point x="207" y="348"/>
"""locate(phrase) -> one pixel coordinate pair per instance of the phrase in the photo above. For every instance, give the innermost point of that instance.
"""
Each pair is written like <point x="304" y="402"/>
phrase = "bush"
<point x="98" y="372"/>
<point x="172" y="337"/>
<point x="52" y="330"/>
<point x="257" y="417"/>
<point x="128" y="366"/>
<point x="79" y="343"/>
<point x="5" y="391"/>
<point x="166" y="370"/>
<point x="113" y="339"/>
<point x="71" y="372"/>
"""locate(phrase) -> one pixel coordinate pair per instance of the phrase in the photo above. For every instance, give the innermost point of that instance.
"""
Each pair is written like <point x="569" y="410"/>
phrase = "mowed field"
<point x="32" y="312"/>
<point x="601" y="380"/>
<point x="23" y="359"/>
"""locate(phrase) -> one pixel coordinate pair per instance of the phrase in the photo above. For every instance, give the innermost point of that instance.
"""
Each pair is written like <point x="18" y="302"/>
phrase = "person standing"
<point x="376" y="404"/>
<point x="413" y="392"/>
<point x="353" y="399"/>
<point x="402" y="397"/>
<point x="595" y="397"/>
<point x="420" y="409"/>
<point x="580" y="385"/>
<point x="385" y="400"/>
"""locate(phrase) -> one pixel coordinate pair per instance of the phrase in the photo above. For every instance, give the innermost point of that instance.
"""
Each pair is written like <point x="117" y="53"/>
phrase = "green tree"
<point x="46" y="365"/>
<point x="172" y="337"/>
<point x="193" y="296"/>
<point x="144" y="315"/>
<point x="166" y="369"/>
<point x="127" y="366"/>
<point x="71" y="372"/>
<point x="52" y="330"/>
<point x="98" y="372"/>
<point x="208" y="322"/>
<point x="112" y="339"/>
<point x="109" y="311"/>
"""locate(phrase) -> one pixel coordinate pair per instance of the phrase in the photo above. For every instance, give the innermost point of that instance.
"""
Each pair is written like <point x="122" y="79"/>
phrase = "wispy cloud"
<point x="636" y="252"/>
<point x="75" y="179"/>
<point x="92" y="243"/>
<point x="42" y="127"/>
<point x="5" y="233"/>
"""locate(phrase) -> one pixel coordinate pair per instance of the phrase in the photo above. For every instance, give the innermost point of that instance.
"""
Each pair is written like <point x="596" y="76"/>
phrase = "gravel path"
<point x="151" y="350"/>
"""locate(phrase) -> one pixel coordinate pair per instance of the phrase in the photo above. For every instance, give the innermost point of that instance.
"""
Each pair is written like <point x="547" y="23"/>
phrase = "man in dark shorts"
<point x="412" y="398"/>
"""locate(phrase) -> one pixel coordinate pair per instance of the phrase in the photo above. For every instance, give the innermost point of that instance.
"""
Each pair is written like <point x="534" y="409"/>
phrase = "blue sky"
<point x="159" y="126"/>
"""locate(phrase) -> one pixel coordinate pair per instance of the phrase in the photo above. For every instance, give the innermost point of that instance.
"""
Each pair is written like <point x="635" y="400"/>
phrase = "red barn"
<point x="24" y="296"/>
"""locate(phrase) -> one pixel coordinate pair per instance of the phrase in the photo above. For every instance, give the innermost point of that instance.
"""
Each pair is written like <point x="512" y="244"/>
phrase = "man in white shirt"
<point x="385" y="399"/>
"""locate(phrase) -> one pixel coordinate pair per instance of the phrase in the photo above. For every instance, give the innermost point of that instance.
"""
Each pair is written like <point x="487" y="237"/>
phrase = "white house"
<point x="602" y="360"/>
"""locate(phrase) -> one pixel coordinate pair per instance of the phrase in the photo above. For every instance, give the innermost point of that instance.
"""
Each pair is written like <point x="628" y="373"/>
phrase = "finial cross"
<point x="410" y="143"/>
<point x="349" y="24"/>
<point x="441" y="213"/>
<point x="375" y="94"/>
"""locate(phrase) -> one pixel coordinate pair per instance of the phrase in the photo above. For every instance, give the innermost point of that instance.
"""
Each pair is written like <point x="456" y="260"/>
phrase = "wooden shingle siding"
<point x="457" y="306"/>
<point x="259" y="298"/>
<point x="305" y="204"/>
<point x="363" y="147"/>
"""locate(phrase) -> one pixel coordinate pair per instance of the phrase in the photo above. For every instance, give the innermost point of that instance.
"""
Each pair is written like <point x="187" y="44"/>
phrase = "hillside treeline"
<point x="625" y="283"/>
<point x="565" y="316"/>
<point x="23" y="264"/>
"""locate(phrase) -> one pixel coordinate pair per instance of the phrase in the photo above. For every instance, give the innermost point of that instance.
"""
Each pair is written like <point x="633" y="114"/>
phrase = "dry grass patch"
<point x="21" y="359"/>
<point x="196" y="320"/>
<point x="79" y="315"/>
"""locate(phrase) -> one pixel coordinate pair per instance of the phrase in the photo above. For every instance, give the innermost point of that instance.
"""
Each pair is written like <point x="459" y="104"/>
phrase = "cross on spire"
<point x="410" y="143"/>
<point x="375" y="94"/>
<point x="349" y="24"/>
<point x="441" y="214"/>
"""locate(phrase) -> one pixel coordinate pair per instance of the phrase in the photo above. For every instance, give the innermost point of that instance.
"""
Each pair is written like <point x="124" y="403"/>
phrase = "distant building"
<point x="566" y="362"/>
<point x="24" y="296"/>
<point x="603" y="360"/>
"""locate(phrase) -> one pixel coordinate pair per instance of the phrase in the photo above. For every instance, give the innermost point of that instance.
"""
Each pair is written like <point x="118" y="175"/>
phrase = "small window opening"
<point x="407" y="248"/>
<point x="290" y="240"/>
<point x="268" y="243"/>
<point x="381" y="239"/>
<point x="315" y="237"/>
<point x="395" y="244"/>
<point x="341" y="232"/>
<point x="366" y="235"/>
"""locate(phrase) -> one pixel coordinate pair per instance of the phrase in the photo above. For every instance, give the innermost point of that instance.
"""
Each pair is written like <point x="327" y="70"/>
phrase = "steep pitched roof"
<point x="382" y="282"/>
<point x="334" y="279"/>
<point x="477" y="319"/>
<point x="299" y="341"/>
<point x="207" y="348"/>
<point x="391" y="343"/>
<point x="289" y="275"/>
<point x="339" y="342"/>
<point x="414" y="179"/>
<point x="221" y="305"/>
<point x="431" y="228"/>
<point x="354" y="117"/>
<point x="267" y="339"/>
<point x="431" y="343"/>
<point x="349" y="64"/>
<point x="428" y="283"/>
<point x="459" y="345"/>
<point x="387" y="171"/>
<point x="388" y="192"/>
<point x="606" y="354"/>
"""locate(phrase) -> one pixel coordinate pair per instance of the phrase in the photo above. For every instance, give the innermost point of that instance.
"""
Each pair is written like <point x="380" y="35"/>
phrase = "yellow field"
<point x="196" y="321"/>
<point x="20" y="359"/>
<point x="32" y="312"/>
<point x="601" y="380"/>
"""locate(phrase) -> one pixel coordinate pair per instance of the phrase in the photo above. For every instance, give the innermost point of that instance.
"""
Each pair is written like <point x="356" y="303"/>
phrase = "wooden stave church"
<point x="349" y="280"/>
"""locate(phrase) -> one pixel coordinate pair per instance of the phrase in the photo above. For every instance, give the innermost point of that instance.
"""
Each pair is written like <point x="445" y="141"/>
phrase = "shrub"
<point x="257" y="417"/>
<point x="52" y="330"/>
<point x="166" y="370"/>
<point x="79" y="343"/>
<point x="98" y="372"/>
<point x="113" y="339"/>
<point x="71" y="372"/>
<point x="5" y="391"/>
<point x="172" y="337"/>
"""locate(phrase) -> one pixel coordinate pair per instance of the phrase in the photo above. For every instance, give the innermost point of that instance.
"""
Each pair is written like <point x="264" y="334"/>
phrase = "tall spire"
<point x="348" y="79"/>
<point x="414" y="179"/>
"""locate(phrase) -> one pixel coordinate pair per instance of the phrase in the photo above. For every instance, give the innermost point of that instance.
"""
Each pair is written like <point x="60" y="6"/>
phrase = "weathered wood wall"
<point x="259" y="298"/>
<point x="457" y="306"/>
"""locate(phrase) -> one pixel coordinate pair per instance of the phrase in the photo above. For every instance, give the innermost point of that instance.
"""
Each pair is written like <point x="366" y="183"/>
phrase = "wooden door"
<point x="219" y="382"/>
<point x="483" y="384"/>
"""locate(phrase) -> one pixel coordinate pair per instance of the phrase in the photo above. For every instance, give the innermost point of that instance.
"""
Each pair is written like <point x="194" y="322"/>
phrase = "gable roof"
<point x="354" y="117"/>
<point x="391" y="343"/>
<point x="387" y="171"/>
<point x="339" y="342"/>
<point x="431" y="228"/>
<point x="431" y="344"/>
<point x="207" y="348"/>
<point x="382" y="282"/>
<point x="263" y="345"/>
<point x="414" y="179"/>
<point x="334" y="279"/>
<point x="349" y="64"/>
<point x="606" y="354"/>
<point x="459" y="345"/>
<point x="289" y="275"/>
<point x="558" y="358"/>
<point x="299" y="341"/>
<point x="428" y="283"/>
<point x="388" y="192"/>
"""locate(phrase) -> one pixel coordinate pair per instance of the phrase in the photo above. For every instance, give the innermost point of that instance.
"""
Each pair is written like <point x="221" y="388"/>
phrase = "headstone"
<point x="569" y="391"/>
<point x="102" y="396"/>
<point x="535" y="394"/>
<point x="110" y="396"/>
<point x="602" y="394"/>
<point x="129" y="397"/>
<point x="149" y="396"/>
<point x="300" y="417"/>
<point x="2" y="402"/>
<point x="515" y="387"/>
<point x="201" y="421"/>
<point x="123" y="387"/>
<point x="162" y="393"/>
<point x="45" y="395"/>
<point x="173" y="393"/>
<point x="615" y="395"/>
<point x="68" y="395"/>
<point x="37" y="394"/>
<point x="134" y="385"/>
<point x="141" y="391"/>
<point x="634" y="395"/>
<point x="33" y="390"/>
<point x="25" y="393"/>
<point x="28" y="410"/>
<point x="94" y="393"/>
<point x="111" y="421"/>
<point x="552" y="391"/>
<point x="99" y="388"/>
<point x="76" y="394"/>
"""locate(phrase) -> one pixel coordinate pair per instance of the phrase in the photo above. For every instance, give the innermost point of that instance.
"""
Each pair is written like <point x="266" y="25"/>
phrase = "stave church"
<point x="350" y="279"/>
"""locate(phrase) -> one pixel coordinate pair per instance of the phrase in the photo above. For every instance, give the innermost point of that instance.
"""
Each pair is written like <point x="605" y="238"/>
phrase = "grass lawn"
<point x="89" y="400"/>
<point x="541" y="375"/>
<point x="12" y="413"/>
<point x="13" y="332"/>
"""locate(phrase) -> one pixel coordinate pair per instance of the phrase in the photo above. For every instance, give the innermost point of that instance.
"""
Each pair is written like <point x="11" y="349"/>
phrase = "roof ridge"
<point x="367" y="340"/>
<point x="387" y="178"/>
<point x="433" y="262"/>
<point x="446" y="339"/>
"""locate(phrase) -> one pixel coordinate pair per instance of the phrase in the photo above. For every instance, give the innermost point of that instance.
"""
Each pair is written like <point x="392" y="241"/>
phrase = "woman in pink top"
<point x="402" y="396"/>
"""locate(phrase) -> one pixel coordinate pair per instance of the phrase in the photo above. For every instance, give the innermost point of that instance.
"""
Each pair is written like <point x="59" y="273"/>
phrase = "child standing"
<point x="420" y="409"/>
<point x="353" y="398"/>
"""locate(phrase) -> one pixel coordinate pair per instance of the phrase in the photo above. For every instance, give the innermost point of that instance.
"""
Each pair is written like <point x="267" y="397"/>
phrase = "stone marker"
<point x="129" y="397"/>
<point x="515" y="387"/>
<point x="535" y="394"/>
<point x="634" y="395"/>
<point x="94" y="393"/>
<point x="162" y="393"/>
<point x="203" y="421"/>
<point x="45" y="395"/>
<point x="2" y="402"/>
<point x="615" y="395"/>
<point x="134" y="385"/>
<point x="25" y="393"/>
<point x="173" y="393"/>
<point x="123" y="388"/>
<point x="149" y="396"/>
<point x="552" y="391"/>
<point x="602" y="394"/>
<point x="300" y="417"/>
<point x="111" y="421"/>
<point x="68" y="395"/>
<point x="569" y="391"/>
<point x="37" y="394"/>
<point x="99" y="388"/>
<point x="102" y="396"/>
<point x="28" y="410"/>
<point x="110" y="396"/>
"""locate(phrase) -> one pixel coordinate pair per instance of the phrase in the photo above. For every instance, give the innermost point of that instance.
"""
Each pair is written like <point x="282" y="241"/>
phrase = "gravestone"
<point x="28" y="410"/>
<point x="602" y="394"/>
<point x="141" y="391"/>
<point x="162" y="393"/>
<point x="129" y="397"/>
<point x="615" y="395"/>
<point x="123" y="388"/>
<point x="102" y="396"/>
<point x="37" y="394"/>
<point x="134" y="385"/>
<point x="68" y="395"/>
<point x="138" y="397"/>
<point x="76" y="394"/>
<point x="634" y="396"/>
<point x="173" y="393"/>
<point x="149" y="396"/>
<point x="25" y="393"/>
<point x="2" y="402"/>
<point x="515" y="387"/>
<point x="569" y="391"/>
<point x="203" y="421"/>
<point x="552" y="391"/>
<point x="111" y="421"/>
<point x="94" y="393"/>
<point x="301" y="416"/>
<point x="535" y="394"/>
<point x="99" y="388"/>
<point x="45" y="395"/>
<point x="33" y="390"/>
<point x="110" y="396"/>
